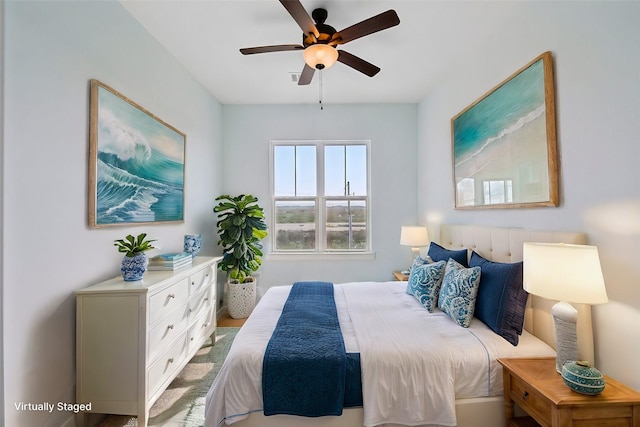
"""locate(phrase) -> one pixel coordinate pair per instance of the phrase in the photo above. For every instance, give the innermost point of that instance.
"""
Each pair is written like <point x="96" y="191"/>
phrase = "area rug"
<point x="182" y="404"/>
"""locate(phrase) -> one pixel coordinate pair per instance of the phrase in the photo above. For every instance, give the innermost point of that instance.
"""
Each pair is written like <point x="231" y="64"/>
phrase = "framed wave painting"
<point x="136" y="163"/>
<point x="504" y="144"/>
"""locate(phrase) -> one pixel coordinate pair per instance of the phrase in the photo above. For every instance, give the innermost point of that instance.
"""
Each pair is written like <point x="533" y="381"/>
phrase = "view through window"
<point x="320" y="196"/>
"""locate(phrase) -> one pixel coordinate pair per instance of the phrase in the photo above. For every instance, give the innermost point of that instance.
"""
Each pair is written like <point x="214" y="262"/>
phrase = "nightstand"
<point x="535" y="386"/>
<point x="397" y="275"/>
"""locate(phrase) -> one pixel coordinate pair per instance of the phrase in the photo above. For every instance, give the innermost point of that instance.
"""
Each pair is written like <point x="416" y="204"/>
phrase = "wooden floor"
<point x="226" y="321"/>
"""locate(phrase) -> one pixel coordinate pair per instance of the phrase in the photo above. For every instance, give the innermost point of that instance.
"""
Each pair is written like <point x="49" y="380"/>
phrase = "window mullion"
<point x="295" y="170"/>
<point x="321" y="232"/>
<point x="344" y="168"/>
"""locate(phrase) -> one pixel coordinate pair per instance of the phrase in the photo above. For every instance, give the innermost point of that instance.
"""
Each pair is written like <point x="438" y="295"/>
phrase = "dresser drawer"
<point x="166" y="365"/>
<point x="530" y="401"/>
<point x="202" y="328"/>
<point x="201" y="279"/>
<point x="200" y="302"/>
<point x="166" y="331"/>
<point x="168" y="300"/>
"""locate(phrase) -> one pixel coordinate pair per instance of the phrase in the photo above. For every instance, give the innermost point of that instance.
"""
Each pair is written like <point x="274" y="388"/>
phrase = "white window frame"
<point x="320" y="200"/>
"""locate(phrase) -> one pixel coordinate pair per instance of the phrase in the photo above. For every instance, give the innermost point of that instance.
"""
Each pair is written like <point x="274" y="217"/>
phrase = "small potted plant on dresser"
<point x="241" y="228"/>
<point x="135" y="261"/>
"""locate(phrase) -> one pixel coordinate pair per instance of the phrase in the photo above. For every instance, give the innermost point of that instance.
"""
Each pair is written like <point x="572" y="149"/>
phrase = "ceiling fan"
<point x="319" y="40"/>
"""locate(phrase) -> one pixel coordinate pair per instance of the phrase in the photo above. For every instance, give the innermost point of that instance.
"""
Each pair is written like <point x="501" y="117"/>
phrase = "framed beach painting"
<point x="504" y="144"/>
<point x="136" y="163"/>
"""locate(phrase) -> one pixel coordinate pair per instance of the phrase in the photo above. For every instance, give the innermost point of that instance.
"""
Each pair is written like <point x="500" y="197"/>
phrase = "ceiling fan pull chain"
<point x="320" y="85"/>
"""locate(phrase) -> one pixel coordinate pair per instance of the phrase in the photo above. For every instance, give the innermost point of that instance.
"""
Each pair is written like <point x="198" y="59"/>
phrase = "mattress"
<point x="408" y="355"/>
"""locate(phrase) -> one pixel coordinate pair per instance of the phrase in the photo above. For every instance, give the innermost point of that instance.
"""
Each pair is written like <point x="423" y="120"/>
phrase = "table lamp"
<point x="565" y="273"/>
<point x="415" y="237"/>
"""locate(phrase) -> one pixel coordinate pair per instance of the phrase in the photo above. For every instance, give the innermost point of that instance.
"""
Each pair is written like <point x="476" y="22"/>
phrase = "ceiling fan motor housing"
<point x="326" y="31"/>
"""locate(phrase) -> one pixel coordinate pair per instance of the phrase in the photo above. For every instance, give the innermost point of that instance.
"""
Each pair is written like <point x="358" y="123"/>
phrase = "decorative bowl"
<point x="582" y="377"/>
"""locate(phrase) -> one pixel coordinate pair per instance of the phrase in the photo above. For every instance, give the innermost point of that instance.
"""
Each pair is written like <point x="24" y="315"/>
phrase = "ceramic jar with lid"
<point x="582" y="377"/>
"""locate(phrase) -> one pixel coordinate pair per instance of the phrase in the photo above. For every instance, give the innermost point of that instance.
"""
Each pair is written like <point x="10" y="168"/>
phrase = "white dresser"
<point x="133" y="338"/>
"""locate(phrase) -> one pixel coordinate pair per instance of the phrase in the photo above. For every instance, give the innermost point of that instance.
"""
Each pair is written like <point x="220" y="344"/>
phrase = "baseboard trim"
<point x="222" y="312"/>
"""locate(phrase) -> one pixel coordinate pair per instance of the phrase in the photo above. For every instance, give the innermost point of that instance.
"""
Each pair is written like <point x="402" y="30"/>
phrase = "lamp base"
<point x="565" y="318"/>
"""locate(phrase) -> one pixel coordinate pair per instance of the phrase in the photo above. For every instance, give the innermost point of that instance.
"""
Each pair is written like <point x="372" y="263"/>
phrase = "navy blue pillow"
<point x="501" y="300"/>
<point x="438" y="253"/>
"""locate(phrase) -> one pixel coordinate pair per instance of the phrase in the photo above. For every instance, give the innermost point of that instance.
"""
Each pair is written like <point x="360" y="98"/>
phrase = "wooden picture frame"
<point x="504" y="144"/>
<point x="136" y="163"/>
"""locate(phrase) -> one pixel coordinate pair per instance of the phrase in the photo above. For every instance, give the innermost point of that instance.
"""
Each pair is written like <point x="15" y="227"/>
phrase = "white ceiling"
<point x="206" y="35"/>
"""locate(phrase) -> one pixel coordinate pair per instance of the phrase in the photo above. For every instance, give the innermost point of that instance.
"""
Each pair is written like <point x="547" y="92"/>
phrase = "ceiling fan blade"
<point x="300" y="15"/>
<point x="306" y="76"/>
<point x="357" y="63"/>
<point x="274" y="48"/>
<point x="372" y="25"/>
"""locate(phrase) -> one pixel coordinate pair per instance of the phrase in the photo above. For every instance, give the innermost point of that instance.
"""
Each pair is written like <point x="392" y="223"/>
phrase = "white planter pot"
<point x="242" y="299"/>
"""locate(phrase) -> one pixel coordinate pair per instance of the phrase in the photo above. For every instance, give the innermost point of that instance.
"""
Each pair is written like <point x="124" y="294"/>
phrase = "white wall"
<point x="1" y="201"/>
<point x="597" y="67"/>
<point x="52" y="50"/>
<point x="392" y="130"/>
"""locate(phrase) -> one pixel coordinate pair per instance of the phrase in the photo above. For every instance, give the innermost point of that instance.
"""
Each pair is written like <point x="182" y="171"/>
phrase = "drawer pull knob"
<point x="204" y="325"/>
<point x="206" y="299"/>
<point x="170" y="326"/>
<point x="193" y="283"/>
<point x="170" y="360"/>
<point x="172" y="295"/>
<point x="525" y="395"/>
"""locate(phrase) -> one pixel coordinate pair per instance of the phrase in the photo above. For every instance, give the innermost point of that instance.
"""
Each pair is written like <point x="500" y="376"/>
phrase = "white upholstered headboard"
<point x="505" y="245"/>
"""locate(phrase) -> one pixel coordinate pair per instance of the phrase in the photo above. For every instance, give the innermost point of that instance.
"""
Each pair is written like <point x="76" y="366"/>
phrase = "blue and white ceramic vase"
<point x="192" y="244"/>
<point x="580" y="376"/>
<point x="133" y="268"/>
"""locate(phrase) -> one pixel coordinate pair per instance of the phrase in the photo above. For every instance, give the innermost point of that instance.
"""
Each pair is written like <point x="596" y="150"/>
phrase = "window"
<point x="320" y="196"/>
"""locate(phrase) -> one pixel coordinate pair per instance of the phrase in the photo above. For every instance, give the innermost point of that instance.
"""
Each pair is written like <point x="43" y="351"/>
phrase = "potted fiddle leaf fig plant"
<point x="241" y="229"/>
<point x="135" y="261"/>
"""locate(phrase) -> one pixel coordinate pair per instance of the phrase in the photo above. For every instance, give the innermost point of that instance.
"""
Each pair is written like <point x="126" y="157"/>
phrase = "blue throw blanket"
<point x="305" y="363"/>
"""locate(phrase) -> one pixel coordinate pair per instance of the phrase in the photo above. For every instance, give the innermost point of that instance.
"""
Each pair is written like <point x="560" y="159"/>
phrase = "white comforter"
<point x="415" y="364"/>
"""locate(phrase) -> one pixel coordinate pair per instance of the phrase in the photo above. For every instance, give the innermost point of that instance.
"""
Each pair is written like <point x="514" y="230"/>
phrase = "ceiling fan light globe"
<point x="320" y="56"/>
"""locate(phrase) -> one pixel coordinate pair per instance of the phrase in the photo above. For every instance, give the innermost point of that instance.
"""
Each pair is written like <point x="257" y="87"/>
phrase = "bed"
<point x="467" y="394"/>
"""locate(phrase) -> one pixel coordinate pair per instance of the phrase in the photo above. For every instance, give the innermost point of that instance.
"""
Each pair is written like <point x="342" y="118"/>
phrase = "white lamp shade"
<point x="414" y="236"/>
<point x="563" y="272"/>
<point x="320" y="54"/>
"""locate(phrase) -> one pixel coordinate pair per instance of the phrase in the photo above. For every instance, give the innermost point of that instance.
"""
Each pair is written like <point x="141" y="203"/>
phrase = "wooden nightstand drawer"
<point x="612" y="416"/>
<point x="530" y="401"/>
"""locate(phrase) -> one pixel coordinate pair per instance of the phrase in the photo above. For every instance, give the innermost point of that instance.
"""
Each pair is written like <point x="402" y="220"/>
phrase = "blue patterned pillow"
<point x="420" y="261"/>
<point x="459" y="292"/>
<point x="438" y="253"/>
<point x="424" y="283"/>
<point x="501" y="301"/>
